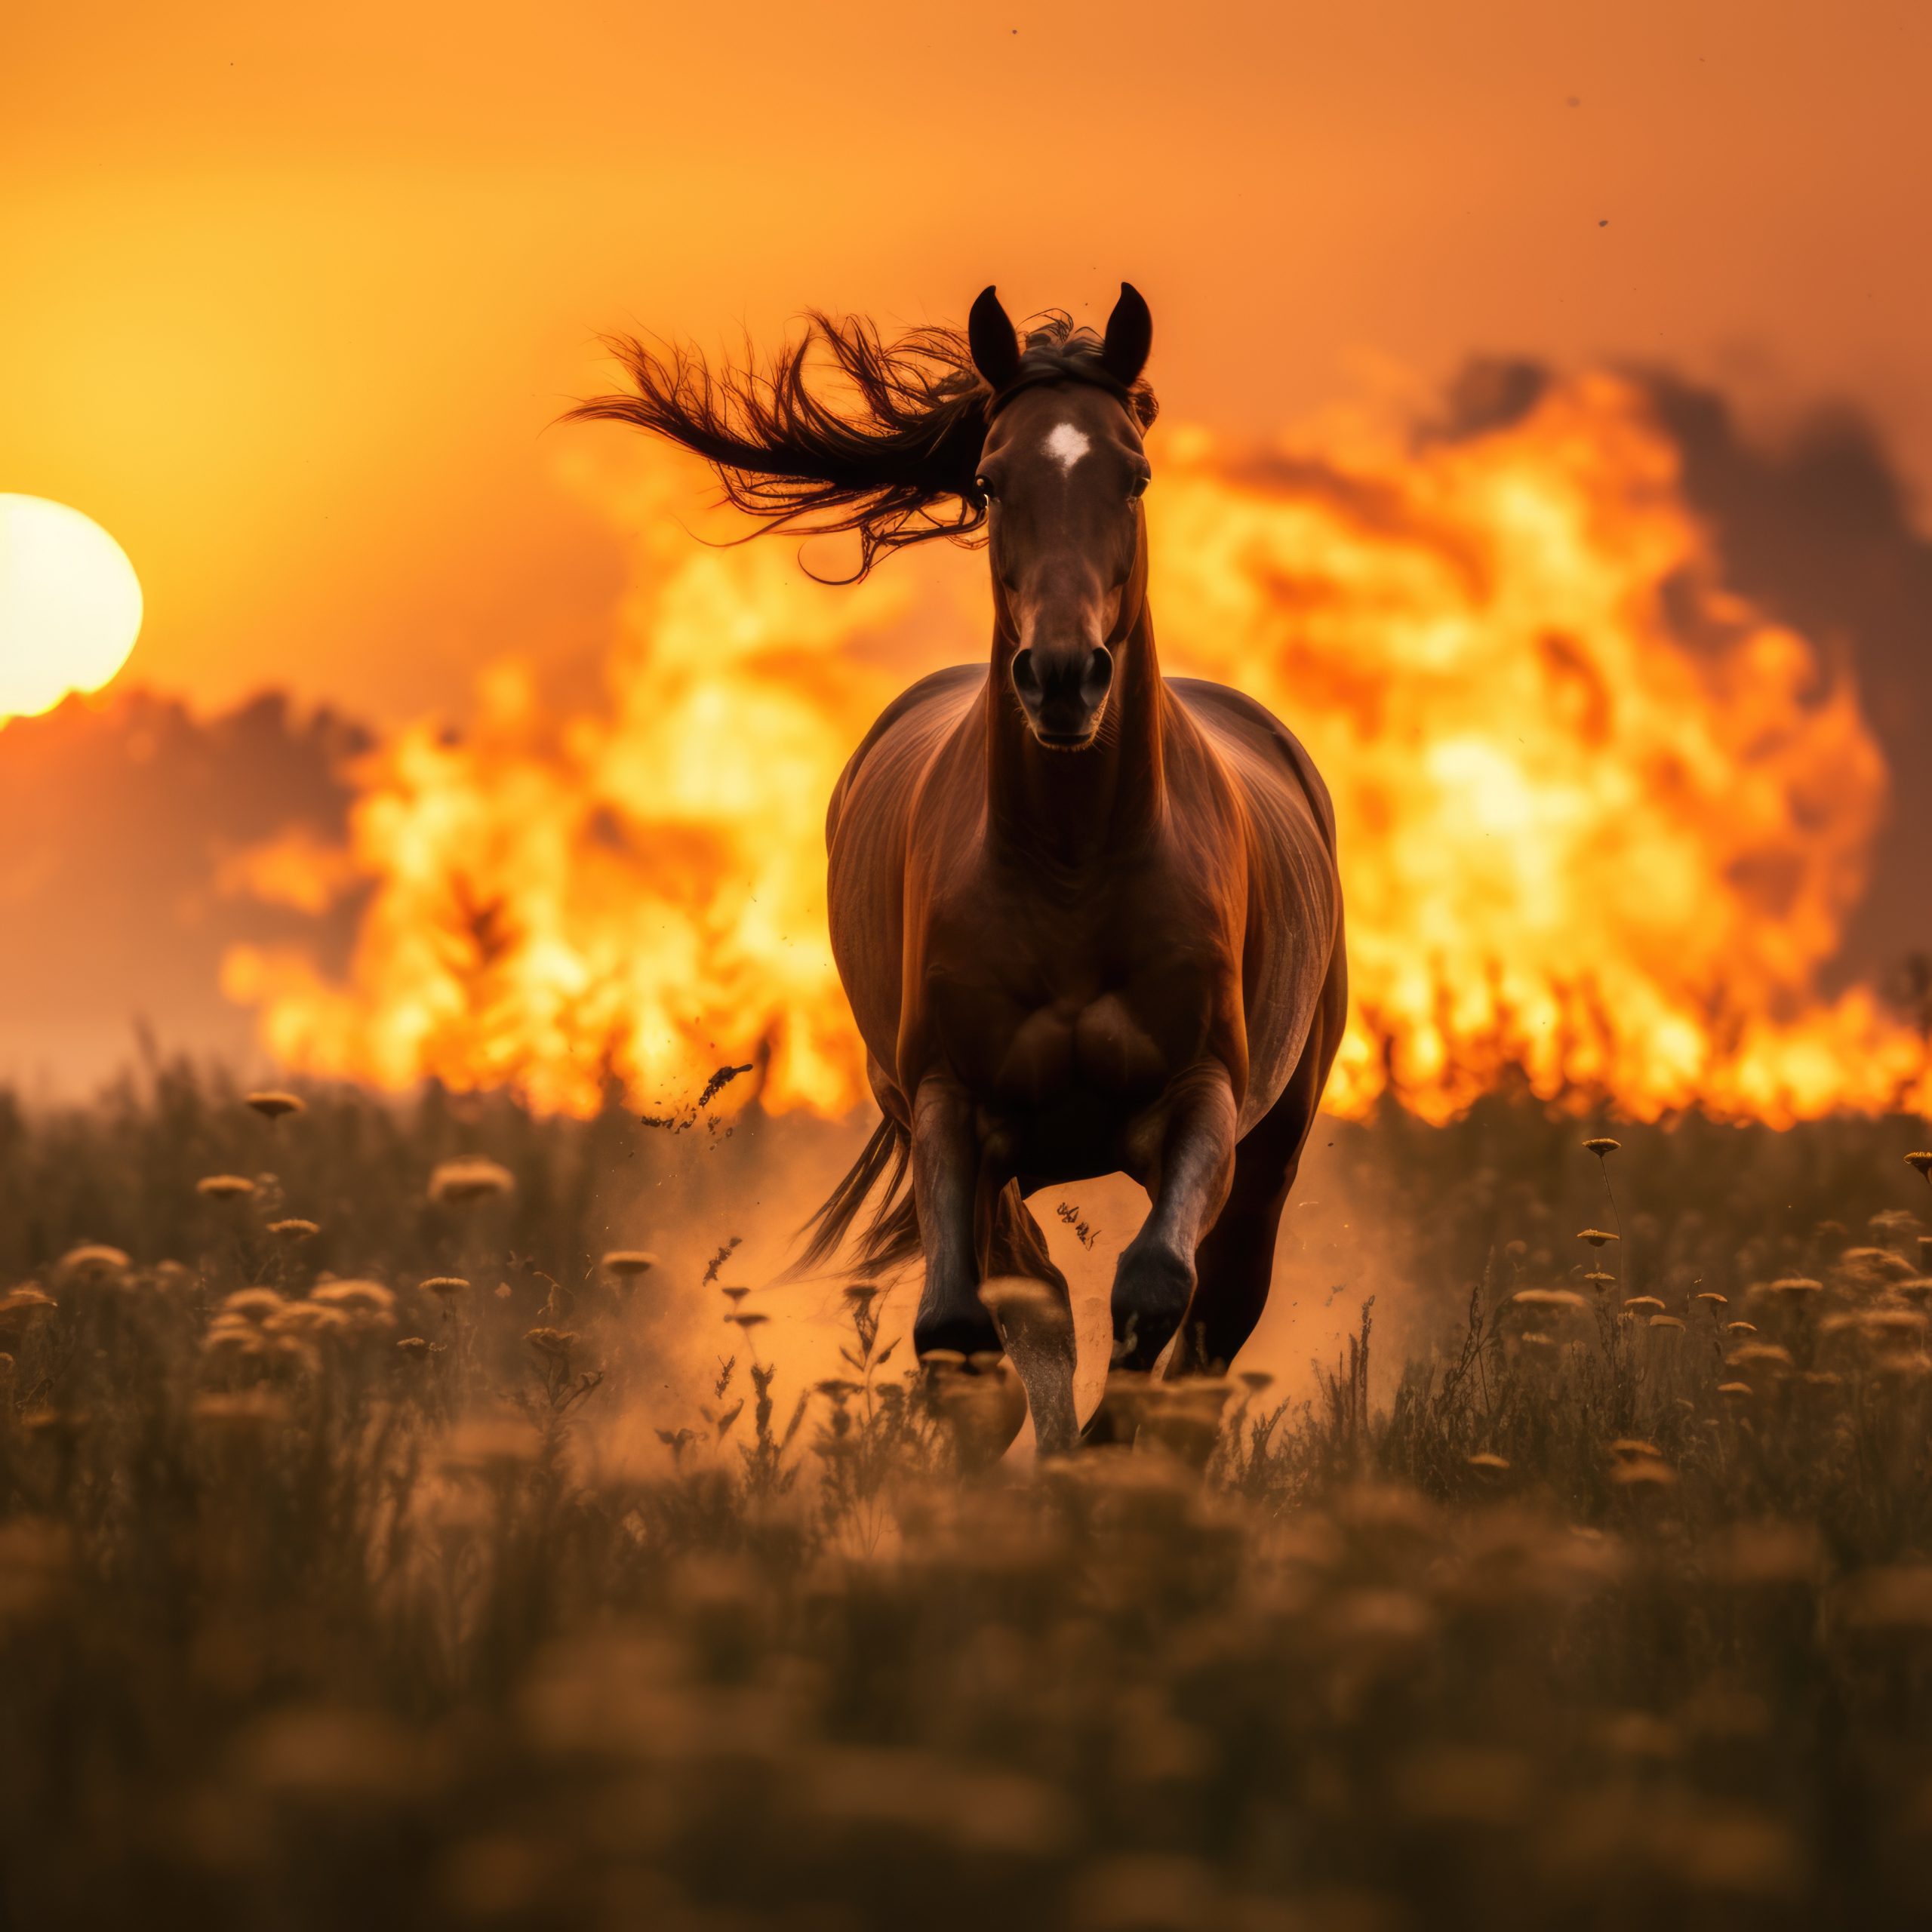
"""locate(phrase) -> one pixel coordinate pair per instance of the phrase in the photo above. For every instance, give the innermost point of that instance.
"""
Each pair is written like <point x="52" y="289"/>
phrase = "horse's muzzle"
<point x="1063" y="692"/>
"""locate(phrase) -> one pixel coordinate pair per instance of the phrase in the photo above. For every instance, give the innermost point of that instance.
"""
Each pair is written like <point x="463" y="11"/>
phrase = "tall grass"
<point x="329" y="1599"/>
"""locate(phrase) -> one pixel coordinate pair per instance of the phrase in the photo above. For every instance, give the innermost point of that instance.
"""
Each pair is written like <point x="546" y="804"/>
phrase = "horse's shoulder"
<point x="1227" y="713"/>
<point x="934" y="701"/>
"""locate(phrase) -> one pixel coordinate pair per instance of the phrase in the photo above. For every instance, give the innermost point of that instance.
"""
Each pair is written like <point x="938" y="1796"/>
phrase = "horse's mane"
<point x="862" y="435"/>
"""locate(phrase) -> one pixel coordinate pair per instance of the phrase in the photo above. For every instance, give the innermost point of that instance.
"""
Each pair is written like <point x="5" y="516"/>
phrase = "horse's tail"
<point x="892" y="1235"/>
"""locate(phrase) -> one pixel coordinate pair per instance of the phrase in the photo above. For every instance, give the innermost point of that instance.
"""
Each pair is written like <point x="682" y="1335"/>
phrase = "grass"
<point x="328" y="1599"/>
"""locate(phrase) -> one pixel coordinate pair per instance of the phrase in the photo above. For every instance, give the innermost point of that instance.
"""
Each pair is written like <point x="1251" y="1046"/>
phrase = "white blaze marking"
<point x="1067" y="445"/>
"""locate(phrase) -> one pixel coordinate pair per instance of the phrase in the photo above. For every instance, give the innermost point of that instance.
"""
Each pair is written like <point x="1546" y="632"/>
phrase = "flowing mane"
<point x="844" y="431"/>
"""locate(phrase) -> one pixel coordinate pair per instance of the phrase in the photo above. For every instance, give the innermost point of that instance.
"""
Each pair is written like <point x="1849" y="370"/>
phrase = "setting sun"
<point x="70" y="604"/>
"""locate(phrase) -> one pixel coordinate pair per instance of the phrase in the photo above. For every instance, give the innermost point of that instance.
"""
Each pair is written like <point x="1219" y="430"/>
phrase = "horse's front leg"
<point x="955" y="1200"/>
<point x="1188" y="1167"/>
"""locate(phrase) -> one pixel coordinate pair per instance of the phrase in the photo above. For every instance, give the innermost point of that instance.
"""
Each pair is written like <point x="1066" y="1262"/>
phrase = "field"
<point x="574" y="1597"/>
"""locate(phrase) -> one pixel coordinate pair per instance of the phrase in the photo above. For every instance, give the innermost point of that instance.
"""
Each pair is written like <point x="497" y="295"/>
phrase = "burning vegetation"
<point x="1602" y="823"/>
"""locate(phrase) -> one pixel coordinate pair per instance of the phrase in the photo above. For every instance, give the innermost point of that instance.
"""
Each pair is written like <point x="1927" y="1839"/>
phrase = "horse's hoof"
<point x="1153" y="1287"/>
<point x="964" y="1335"/>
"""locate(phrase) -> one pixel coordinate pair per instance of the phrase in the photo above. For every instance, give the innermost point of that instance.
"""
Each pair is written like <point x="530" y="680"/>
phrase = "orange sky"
<point x="288" y="299"/>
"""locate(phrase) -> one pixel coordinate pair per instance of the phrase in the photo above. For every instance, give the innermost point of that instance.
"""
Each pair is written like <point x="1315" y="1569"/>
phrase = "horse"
<point x="1087" y="916"/>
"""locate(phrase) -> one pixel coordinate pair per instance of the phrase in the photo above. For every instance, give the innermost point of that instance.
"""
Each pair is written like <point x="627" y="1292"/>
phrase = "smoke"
<point x="139" y="848"/>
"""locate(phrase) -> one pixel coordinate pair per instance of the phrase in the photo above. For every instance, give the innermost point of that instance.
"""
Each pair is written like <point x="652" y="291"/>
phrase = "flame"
<point x="1601" y="823"/>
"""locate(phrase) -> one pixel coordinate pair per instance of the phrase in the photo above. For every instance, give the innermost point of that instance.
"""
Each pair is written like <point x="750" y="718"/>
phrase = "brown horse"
<point x="1088" y="917"/>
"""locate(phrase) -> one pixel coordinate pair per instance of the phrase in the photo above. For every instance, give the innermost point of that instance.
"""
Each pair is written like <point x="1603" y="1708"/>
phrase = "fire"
<point x="1601" y="823"/>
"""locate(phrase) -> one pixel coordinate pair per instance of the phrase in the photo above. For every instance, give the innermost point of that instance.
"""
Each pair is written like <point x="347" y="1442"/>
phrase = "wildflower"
<point x="1905" y="1368"/>
<point x="443" y="1286"/>
<point x="1758" y="1355"/>
<point x="1740" y="1328"/>
<point x="1385" y="1621"/>
<point x="290" y="1354"/>
<point x="1715" y="1301"/>
<point x="1132" y="1891"/>
<point x="861" y="1294"/>
<point x="628" y="1262"/>
<point x="943" y="1361"/>
<point x="1256" y="1379"/>
<point x="242" y="1409"/>
<point x="748" y="1319"/>
<point x="1890" y="1599"/>
<point x="1016" y="1298"/>
<point x="36" y="1556"/>
<point x="301" y="1318"/>
<point x="1638" y="1734"/>
<point x="1598" y="1280"/>
<point x="239" y="1338"/>
<point x="1873" y="1265"/>
<point x="1463" y="1785"/>
<point x="556" y="1343"/>
<point x="94" y="1260"/>
<point x="295" y="1228"/>
<point x="272" y="1103"/>
<point x="25" y="1300"/>
<point x="1796" y="1287"/>
<point x="735" y="1295"/>
<point x="836" y="1389"/>
<point x="1894" y="1323"/>
<point x="491" y="1447"/>
<point x="1922" y="1162"/>
<point x="1636" y="1304"/>
<point x="1389" y="1510"/>
<point x="1601" y="1145"/>
<point x="254" y="1305"/>
<point x="61" y="1425"/>
<point x="355" y="1297"/>
<point x="1596" y="1237"/>
<point x="470" y="1177"/>
<point x="1630" y="1448"/>
<point x="1762" y="1556"/>
<point x="1643" y="1472"/>
<point x="1550" y="1300"/>
<point x="1666" y="1321"/>
<point x="1487" y="1462"/>
<point x="415" y="1348"/>
<point x="1735" y="1392"/>
<point x="327" y="1757"/>
<point x="224" y="1187"/>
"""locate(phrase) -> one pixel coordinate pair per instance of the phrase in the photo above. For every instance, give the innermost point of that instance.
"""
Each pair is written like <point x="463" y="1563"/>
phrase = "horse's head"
<point x="1062" y="473"/>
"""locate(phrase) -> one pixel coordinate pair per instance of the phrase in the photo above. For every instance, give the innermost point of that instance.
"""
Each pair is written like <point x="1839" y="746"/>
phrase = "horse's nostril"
<point x="1025" y="680"/>
<point x="1099" y="675"/>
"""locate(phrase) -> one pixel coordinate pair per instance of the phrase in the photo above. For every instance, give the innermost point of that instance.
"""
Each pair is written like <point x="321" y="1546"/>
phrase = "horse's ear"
<point x="1129" y="336"/>
<point x="990" y="335"/>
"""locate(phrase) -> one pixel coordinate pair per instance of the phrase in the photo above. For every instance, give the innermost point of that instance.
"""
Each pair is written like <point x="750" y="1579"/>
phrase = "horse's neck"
<point x="1072" y="806"/>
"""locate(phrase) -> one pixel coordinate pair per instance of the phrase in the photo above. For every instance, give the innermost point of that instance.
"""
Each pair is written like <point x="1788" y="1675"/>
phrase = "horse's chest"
<point x="1074" y="1022"/>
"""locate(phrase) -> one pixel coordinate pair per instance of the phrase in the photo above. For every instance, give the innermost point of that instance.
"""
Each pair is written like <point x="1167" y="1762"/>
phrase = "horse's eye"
<point x="1138" y="489"/>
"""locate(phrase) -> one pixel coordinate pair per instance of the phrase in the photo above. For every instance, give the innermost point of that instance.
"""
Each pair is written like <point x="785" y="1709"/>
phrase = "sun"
<point x="70" y="604"/>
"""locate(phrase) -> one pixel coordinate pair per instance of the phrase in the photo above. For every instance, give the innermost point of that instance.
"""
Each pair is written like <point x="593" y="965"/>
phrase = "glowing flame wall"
<point x="1601" y="823"/>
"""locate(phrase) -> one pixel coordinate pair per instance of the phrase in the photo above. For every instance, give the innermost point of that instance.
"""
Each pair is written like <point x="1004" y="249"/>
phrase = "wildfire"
<point x="1601" y="824"/>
